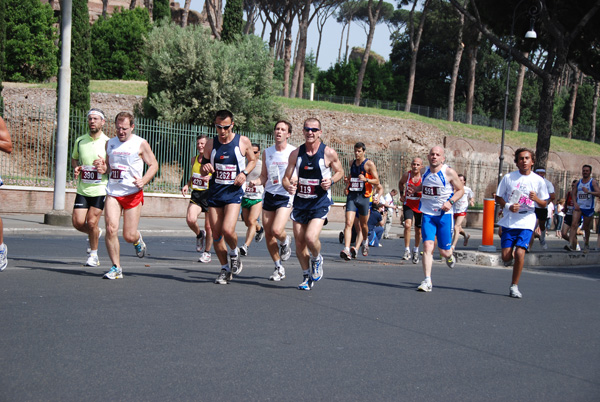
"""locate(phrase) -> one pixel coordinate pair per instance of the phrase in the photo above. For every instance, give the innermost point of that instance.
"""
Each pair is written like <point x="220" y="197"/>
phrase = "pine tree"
<point x="162" y="9"/>
<point x="80" y="56"/>
<point x="233" y="21"/>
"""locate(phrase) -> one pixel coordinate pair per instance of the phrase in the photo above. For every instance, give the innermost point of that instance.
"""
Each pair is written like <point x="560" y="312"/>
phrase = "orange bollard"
<point x="487" y="238"/>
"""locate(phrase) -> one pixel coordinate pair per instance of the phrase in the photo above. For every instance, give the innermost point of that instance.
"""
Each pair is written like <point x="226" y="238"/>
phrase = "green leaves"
<point x="191" y="75"/>
<point x="30" y="49"/>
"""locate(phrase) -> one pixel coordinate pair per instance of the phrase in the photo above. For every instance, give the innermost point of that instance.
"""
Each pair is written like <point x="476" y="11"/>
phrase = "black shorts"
<point x="272" y="202"/>
<point x="541" y="214"/>
<point x="569" y="220"/>
<point x="200" y="198"/>
<point x="83" y="202"/>
<point x="416" y="217"/>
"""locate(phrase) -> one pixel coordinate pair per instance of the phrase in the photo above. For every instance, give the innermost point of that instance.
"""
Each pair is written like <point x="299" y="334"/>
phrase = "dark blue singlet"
<point x="311" y="170"/>
<point x="228" y="162"/>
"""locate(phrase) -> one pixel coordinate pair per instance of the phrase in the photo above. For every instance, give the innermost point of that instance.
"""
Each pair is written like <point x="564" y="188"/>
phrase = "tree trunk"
<point x="301" y="46"/>
<point x="214" y="16"/>
<point x="457" y="58"/>
<point x="186" y="12"/>
<point x="287" y="57"/>
<point x="347" y="44"/>
<point x="373" y="19"/>
<point x="472" y="57"/>
<point x="250" y="19"/>
<point x="104" y="8"/>
<point x="573" y="101"/>
<point x="595" y="111"/>
<point x="516" y="116"/>
<point x="415" y="41"/>
<point x="542" y="146"/>
<point x="339" y="59"/>
<point x="150" y="6"/>
<point x="132" y="4"/>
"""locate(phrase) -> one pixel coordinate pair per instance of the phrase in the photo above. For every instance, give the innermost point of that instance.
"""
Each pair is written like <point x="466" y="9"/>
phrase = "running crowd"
<point x="228" y="178"/>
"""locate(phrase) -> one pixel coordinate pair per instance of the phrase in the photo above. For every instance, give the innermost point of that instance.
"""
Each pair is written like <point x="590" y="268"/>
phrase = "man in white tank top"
<point x="440" y="188"/>
<point x="125" y="157"/>
<point x="277" y="202"/>
<point x="586" y="190"/>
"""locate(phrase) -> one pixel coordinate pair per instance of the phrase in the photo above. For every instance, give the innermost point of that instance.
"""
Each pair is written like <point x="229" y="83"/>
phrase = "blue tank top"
<point x="356" y="184"/>
<point x="228" y="162"/>
<point x="311" y="170"/>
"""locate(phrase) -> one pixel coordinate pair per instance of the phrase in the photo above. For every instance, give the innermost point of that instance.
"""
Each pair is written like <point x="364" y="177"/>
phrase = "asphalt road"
<point x="167" y="332"/>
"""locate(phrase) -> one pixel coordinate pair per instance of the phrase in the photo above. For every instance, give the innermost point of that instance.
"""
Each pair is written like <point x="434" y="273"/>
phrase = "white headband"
<point x="97" y="113"/>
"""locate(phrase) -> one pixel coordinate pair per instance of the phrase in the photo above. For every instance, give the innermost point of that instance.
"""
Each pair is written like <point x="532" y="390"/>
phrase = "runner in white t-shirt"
<point x="519" y="193"/>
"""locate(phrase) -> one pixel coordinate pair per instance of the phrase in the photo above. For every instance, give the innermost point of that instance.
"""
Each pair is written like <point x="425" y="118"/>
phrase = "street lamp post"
<point x="533" y="12"/>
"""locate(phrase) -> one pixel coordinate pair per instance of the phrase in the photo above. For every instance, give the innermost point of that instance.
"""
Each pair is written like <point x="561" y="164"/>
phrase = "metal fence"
<point x="32" y="161"/>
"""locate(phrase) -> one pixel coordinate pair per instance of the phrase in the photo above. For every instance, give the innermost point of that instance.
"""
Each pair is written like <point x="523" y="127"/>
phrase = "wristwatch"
<point x="245" y="173"/>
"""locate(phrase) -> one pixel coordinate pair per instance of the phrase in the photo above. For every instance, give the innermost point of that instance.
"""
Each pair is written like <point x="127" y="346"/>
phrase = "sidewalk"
<point x="555" y="255"/>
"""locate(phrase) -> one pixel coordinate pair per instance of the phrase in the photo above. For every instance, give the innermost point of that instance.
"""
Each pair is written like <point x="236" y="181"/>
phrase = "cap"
<point x="540" y="170"/>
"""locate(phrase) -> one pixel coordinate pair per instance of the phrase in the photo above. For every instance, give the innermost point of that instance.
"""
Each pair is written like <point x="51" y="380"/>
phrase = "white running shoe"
<point x="244" y="250"/>
<point x="260" y="234"/>
<point x="514" y="292"/>
<point x="406" y="255"/>
<point x="200" y="238"/>
<point x="4" y="258"/>
<point x="92" y="261"/>
<point x="307" y="284"/>
<point x="425" y="286"/>
<point x="114" y="273"/>
<point x="140" y="247"/>
<point x="205" y="257"/>
<point x="235" y="264"/>
<point x="224" y="277"/>
<point x="316" y="268"/>
<point x="415" y="257"/>
<point x="285" y="249"/>
<point x="278" y="274"/>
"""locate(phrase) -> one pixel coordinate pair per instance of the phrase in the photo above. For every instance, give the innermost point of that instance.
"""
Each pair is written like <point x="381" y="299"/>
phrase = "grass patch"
<point x="139" y="88"/>
<point x="488" y="134"/>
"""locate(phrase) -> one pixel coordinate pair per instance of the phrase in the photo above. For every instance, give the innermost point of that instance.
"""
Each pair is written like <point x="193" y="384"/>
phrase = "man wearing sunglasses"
<point x="224" y="159"/>
<point x="317" y="167"/>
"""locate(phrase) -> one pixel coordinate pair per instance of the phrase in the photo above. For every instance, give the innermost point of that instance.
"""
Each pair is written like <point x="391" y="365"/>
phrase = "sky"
<point x="332" y="30"/>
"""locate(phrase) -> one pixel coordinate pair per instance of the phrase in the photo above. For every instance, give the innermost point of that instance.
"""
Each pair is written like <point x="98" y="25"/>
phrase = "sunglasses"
<point x="313" y="129"/>
<point x="223" y="127"/>
<point x="256" y="152"/>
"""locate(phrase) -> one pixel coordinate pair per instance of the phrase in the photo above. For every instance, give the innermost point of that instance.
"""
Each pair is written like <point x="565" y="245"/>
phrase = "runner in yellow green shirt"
<point x="91" y="185"/>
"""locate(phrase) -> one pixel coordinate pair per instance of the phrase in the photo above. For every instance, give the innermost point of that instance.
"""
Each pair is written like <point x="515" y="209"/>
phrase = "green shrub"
<point x="118" y="43"/>
<point x="30" y="52"/>
<point x="190" y="76"/>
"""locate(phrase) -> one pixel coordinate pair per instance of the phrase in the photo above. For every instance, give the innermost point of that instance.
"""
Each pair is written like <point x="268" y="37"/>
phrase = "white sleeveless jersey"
<point x="585" y="200"/>
<point x="437" y="189"/>
<point x="276" y="163"/>
<point x="125" y="165"/>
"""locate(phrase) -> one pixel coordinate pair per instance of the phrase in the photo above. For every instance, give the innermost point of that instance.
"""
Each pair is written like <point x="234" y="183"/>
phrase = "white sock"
<point x="225" y="267"/>
<point x="278" y="264"/>
<point x="94" y="252"/>
<point x="233" y="252"/>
